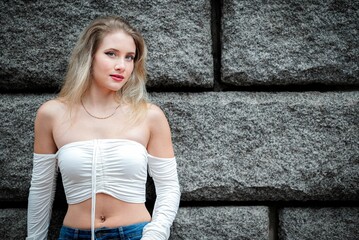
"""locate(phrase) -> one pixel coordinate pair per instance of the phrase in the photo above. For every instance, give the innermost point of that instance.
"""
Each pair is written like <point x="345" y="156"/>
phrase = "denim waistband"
<point x="123" y="232"/>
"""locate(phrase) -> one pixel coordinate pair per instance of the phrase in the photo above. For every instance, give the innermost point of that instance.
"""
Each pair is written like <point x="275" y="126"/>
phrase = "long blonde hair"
<point x="78" y="76"/>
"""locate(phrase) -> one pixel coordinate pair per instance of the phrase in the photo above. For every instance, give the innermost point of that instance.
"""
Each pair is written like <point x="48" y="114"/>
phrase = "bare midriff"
<point x="110" y="212"/>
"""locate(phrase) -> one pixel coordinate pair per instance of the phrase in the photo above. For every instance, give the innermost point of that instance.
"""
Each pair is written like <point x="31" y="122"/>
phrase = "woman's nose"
<point x="120" y="65"/>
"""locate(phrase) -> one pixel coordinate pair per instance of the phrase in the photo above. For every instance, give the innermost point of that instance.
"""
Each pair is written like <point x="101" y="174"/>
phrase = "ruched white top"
<point x="120" y="168"/>
<point x="117" y="167"/>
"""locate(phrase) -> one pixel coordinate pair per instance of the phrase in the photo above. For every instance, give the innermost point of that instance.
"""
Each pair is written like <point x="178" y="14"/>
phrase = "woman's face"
<point x="113" y="61"/>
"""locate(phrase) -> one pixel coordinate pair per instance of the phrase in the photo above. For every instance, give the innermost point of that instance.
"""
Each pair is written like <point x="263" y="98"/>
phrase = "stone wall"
<point x="262" y="97"/>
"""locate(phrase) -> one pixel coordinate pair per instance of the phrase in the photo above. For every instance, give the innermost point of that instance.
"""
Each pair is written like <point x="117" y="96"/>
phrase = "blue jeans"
<point x="131" y="232"/>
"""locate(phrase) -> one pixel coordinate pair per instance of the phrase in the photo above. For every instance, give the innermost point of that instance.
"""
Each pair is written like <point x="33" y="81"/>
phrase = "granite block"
<point x="37" y="39"/>
<point x="290" y="43"/>
<point x="319" y="223"/>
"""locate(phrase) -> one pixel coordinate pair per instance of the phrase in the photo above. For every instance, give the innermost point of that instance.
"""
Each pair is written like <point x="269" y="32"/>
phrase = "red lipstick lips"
<point x="117" y="77"/>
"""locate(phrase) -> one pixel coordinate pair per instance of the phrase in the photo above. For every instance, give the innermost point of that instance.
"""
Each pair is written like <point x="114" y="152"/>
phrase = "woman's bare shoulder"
<point x="154" y="112"/>
<point x="51" y="109"/>
<point x="46" y="117"/>
<point x="160" y="143"/>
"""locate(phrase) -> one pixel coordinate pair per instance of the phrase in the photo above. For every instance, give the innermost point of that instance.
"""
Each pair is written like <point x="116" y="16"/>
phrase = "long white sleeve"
<point x="164" y="174"/>
<point x="41" y="196"/>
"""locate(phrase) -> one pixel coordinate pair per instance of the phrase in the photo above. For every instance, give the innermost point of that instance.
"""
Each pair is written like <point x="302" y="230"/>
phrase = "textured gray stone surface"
<point x="37" y="38"/>
<point x="290" y="42"/>
<point x="13" y="223"/>
<point x="319" y="223"/>
<point x="265" y="146"/>
<point x="215" y="223"/>
<point x="17" y="113"/>
<point x="230" y="146"/>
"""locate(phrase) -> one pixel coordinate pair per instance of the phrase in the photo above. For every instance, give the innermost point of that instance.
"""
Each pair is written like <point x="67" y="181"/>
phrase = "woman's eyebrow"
<point x="112" y="49"/>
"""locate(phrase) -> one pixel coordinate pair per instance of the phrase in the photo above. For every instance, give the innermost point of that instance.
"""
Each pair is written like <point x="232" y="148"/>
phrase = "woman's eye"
<point x="111" y="54"/>
<point x="130" y="58"/>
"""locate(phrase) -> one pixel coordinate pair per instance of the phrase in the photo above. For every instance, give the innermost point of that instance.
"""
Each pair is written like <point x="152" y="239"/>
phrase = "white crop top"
<point x="117" y="167"/>
<point x="120" y="166"/>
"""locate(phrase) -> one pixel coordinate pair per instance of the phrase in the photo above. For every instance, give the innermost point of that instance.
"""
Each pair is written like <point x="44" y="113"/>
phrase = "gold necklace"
<point x="100" y="117"/>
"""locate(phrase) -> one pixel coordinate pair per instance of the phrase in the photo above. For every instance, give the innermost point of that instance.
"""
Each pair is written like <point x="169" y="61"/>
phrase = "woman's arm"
<point x="44" y="122"/>
<point x="160" y="143"/>
<point x="44" y="172"/>
<point x="163" y="169"/>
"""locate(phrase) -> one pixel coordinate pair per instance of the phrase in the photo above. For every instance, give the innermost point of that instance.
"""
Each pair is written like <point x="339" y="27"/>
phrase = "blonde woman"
<point x="104" y="137"/>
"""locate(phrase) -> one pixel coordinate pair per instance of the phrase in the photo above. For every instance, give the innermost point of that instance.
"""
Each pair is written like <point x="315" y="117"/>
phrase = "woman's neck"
<point x="101" y="99"/>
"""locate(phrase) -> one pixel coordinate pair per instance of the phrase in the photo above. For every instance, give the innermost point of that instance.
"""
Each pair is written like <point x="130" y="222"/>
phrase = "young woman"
<point x="104" y="136"/>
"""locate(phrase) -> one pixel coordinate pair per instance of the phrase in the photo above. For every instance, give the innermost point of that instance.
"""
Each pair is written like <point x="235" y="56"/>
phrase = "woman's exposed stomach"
<point x="110" y="212"/>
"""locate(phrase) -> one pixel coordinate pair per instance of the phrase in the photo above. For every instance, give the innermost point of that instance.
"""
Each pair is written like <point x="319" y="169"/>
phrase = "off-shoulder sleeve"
<point x="164" y="174"/>
<point x="41" y="196"/>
